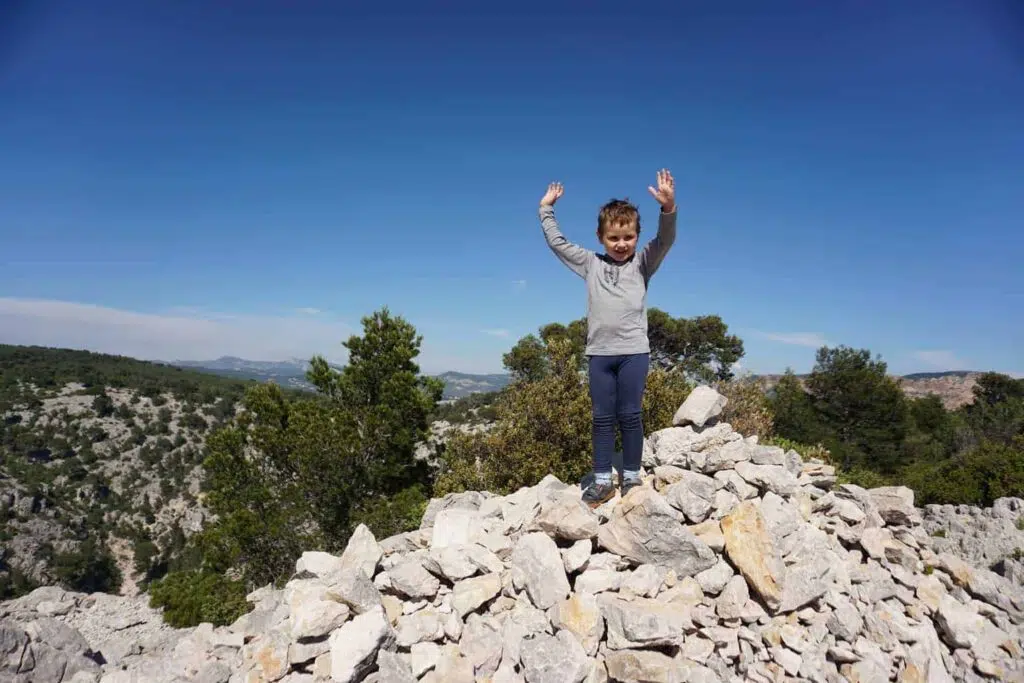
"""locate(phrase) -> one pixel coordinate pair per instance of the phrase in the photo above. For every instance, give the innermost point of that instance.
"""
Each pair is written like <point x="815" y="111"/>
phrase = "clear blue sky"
<point x="195" y="178"/>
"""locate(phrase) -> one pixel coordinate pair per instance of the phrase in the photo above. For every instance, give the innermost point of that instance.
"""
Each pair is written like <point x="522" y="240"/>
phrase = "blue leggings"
<point x="616" y="391"/>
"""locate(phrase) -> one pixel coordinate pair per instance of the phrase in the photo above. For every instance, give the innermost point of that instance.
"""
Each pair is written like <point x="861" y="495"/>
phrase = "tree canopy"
<point x="295" y="473"/>
<point x="700" y="348"/>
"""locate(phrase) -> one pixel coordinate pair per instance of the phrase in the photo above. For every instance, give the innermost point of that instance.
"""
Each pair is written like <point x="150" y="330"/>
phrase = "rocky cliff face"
<point x="734" y="562"/>
<point x="132" y="464"/>
<point x="954" y="389"/>
<point x="985" y="537"/>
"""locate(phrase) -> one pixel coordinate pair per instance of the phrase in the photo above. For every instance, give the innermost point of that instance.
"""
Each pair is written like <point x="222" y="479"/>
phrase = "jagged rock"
<point x="751" y="549"/>
<point x="988" y="538"/>
<point x="581" y="615"/>
<point x="734" y="562"/>
<point x="567" y="517"/>
<point x="646" y="530"/>
<point x="702" y="404"/>
<point x="692" y="494"/>
<point x="554" y="659"/>
<point x="313" y="615"/>
<point x="536" y="561"/>
<point x="354" y="646"/>
<point x="641" y="622"/>
<point x="470" y="594"/>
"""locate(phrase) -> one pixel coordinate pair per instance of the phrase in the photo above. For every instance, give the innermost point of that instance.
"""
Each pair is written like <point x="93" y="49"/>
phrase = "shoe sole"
<point x="600" y="501"/>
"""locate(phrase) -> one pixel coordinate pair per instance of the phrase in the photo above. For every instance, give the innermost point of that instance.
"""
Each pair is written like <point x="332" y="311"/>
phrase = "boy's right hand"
<point x="555" y="191"/>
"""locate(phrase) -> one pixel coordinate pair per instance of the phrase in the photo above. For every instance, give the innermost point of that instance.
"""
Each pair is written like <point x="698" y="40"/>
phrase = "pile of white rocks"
<point x="990" y="537"/>
<point x="734" y="562"/>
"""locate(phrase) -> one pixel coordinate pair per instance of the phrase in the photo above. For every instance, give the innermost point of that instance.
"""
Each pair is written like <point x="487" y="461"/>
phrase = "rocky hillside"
<point x="292" y="374"/>
<point x="734" y="562"/>
<point x="99" y="479"/>
<point x="100" y="464"/>
<point x="955" y="389"/>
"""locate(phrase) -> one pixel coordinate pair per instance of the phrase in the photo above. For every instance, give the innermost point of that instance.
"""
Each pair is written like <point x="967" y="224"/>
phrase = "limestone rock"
<point x="703" y="404"/>
<point x="646" y="530"/>
<point x="536" y="560"/>
<point x="733" y="562"/>
<point x="751" y="549"/>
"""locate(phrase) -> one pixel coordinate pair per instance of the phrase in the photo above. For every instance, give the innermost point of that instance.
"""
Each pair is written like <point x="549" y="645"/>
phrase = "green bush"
<point x="544" y="427"/>
<point x="748" y="409"/>
<point x="190" y="598"/>
<point x="89" y="569"/>
<point x="386" y="516"/>
<point x="988" y="472"/>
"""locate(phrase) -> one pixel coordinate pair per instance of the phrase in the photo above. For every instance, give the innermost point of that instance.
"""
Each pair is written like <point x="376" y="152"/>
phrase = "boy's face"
<point x="619" y="240"/>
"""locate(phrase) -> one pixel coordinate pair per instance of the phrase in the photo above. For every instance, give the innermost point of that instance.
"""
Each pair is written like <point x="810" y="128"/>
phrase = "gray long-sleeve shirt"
<point x="616" y="292"/>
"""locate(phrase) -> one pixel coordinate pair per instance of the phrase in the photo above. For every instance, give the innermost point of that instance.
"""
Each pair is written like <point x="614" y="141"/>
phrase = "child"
<point x="618" y="350"/>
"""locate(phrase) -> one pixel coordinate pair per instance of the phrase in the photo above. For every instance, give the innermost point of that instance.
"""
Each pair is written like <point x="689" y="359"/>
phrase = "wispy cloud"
<point x="497" y="332"/>
<point x="519" y="285"/>
<point x="940" y="359"/>
<point x="308" y="311"/>
<point x="199" y="333"/>
<point x="809" y="339"/>
<point x="179" y="334"/>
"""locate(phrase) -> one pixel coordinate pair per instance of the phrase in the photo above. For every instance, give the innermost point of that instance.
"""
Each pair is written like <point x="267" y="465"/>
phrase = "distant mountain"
<point x="953" y="387"/>
<point x="460" y="384"/>
<point x="292" y="373"/>
<point x="287" y="373"/>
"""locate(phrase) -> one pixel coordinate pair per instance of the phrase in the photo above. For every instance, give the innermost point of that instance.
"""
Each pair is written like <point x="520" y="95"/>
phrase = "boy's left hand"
<point x="666" y="191"/>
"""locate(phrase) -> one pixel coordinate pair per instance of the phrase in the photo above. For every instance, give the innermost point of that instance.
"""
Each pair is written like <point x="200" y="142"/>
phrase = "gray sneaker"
<point x="627" y="485"/>
<point x="598" y="493"/>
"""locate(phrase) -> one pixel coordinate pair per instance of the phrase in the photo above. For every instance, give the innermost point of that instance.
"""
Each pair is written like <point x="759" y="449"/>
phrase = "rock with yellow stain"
<point x="751" y="549"/>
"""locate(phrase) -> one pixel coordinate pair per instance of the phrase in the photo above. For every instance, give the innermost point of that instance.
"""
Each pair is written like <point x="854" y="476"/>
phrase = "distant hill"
<point x="100" y="465"/>
<point x="955" y="388"/>
<point x="292" y="373"/>
<point x="287" y="373"/>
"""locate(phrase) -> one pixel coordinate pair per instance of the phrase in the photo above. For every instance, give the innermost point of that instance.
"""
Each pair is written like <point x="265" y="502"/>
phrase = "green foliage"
<point x="89" y="569"/>
<point x="530" y="359"/>
<point x="700" y="347"/>
<point x="15" y="583"/>
<point x="293" y="473"/>
<point x="748" y="409"/>
<point x="544" y="426"/>
<point x="864" y="411"/>
<point x="103" y="405"/>
<point x="50" y="368"/>
<point x="192" y="597"/>
<point x="851" y="405"/>
<point x="390" y="515"/>
<point x="986" y="473"/>
<point x="527" y="360"/>
<point x="475" y="407"/>
<point x="382" y="391"/>
<point x="877" y="436"/>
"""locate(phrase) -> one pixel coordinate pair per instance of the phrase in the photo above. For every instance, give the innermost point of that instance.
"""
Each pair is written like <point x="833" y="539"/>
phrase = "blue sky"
<point x="193" y="179"/>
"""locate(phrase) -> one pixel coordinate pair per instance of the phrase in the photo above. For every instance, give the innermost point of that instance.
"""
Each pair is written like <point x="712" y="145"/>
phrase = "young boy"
<point x="618" y="350"/>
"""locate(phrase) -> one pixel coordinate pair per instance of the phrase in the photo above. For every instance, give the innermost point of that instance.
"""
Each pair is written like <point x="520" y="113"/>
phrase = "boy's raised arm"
<point x="655" y="250"/>
<point x="572" y="255"/>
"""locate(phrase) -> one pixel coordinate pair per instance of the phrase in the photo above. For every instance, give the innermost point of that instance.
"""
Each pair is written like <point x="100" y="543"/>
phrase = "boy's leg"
<point x="629" y="409"/>
<point x="603" y="393"/>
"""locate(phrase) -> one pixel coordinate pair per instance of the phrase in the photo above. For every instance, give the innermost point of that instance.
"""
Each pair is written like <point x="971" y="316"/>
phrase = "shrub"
<point x="386" y="516"/>
<point x="807" y="452"/>
<point x="748" y="409"/>
<point x="191" y="597"/>
<point x="544" y="427"/>
<point x="988" y="472"/>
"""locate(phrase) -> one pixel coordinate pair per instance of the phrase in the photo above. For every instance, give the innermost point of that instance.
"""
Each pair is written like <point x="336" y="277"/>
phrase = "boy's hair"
<point x="618" y="212"/>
